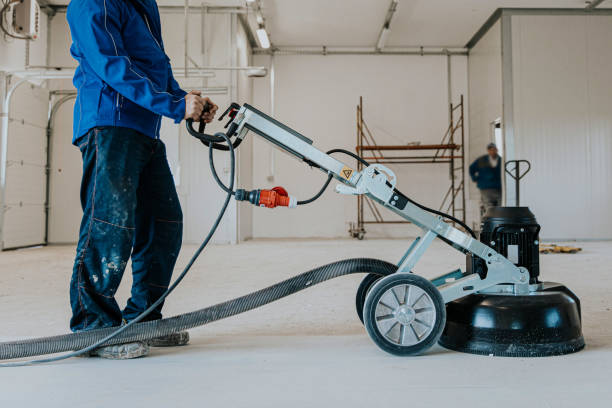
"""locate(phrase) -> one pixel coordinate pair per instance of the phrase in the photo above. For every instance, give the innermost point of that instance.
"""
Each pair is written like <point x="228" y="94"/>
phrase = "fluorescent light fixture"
<point x="250" y="1"/>
<point x="262" y="35"/>
<point x="257" y="72"/>
<point x="382" y="39"/>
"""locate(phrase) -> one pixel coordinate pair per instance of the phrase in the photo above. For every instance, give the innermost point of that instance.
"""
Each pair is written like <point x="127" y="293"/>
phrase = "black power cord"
<point x="421" y="206"/>
<point x="329" y="179"/>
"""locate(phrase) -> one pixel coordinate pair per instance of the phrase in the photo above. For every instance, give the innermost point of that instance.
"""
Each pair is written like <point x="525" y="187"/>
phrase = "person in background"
<point x="485" y="171"/>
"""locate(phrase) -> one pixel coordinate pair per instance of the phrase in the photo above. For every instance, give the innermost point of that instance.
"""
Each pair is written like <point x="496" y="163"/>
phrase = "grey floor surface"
<point x="308" y="350"/>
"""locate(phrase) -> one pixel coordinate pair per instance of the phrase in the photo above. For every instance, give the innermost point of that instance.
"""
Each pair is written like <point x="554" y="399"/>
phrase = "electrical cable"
<point x="349" y="153"/>
<point x="170" y="289"/>
<point x="319" y="194"/>
<point x="421" y="206"/>
<point x="365" y="163"/>
<point x="211" y="149"/>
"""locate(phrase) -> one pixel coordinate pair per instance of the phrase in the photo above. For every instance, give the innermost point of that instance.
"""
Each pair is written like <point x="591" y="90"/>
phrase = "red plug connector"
<point x="276" y="197"/>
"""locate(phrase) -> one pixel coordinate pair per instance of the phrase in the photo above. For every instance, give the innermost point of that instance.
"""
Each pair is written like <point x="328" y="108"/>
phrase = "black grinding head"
<point x="543" y="323"/>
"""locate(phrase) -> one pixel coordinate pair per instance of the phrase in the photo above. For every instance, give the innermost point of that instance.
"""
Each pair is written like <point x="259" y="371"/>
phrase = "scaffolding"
<point x="449" y="151"/>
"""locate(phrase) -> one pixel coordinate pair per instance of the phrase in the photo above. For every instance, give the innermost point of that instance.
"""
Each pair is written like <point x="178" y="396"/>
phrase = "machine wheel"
<point x="362" y="292"/>
<point x="404" y="314"/>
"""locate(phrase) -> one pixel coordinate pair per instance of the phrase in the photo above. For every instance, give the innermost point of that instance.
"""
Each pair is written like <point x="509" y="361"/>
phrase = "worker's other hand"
<point x="211" y="109"/>
<point x="194" y="105"/>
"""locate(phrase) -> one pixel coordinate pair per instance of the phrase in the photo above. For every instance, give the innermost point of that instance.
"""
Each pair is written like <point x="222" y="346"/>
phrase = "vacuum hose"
<point x="156" y="328"/>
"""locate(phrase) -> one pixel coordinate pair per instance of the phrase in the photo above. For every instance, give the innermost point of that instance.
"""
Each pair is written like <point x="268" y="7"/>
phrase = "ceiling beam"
<point x="384" y="32"/>
<point x="592" y="4"/>
<point x="244" y="22"/>
<point x="255" y="5"/>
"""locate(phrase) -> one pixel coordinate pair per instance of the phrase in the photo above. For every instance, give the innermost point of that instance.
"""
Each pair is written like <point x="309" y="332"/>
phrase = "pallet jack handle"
<point x="517" y="175"/>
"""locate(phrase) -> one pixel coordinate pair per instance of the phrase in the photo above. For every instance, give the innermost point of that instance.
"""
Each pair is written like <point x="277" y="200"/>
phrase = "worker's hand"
<point x="194" y="105"/>
<point x="209" y="114"/>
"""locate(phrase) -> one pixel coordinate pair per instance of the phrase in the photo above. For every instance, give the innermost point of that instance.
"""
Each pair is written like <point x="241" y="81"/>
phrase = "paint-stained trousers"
<point x="130" y="207"/>
<point x="489" y="198"/>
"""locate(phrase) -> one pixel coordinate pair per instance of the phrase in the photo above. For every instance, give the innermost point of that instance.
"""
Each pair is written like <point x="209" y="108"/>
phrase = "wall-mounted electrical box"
<point x="26" y="18"/>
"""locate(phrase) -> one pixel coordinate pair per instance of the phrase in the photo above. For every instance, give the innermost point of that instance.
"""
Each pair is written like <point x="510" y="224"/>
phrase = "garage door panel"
<point x="65" y="180"/>
<point x="24" y="226"/>
<point x="29" y="144"/>
<point x="31" y="104"/>
<point x="24" y="220"/>
<point x="25" y="184"/>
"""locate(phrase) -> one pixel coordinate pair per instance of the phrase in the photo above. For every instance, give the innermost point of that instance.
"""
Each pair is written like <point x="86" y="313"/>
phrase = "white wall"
<point x="199" y="194"/>
<point x="485" y="97"/>
<point x="562" y="69"/>
<point x="405" y="100"/>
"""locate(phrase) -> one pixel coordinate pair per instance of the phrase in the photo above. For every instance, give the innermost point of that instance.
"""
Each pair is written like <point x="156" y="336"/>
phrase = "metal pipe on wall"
<point x="186" y="42"/>
<point x="202" y="72"/>
<point x="54" y="107"/>
<point x="179" y="9"/>
<point x="324" y="50"/>
<point x="449" y="75"/>
<point x="272" y="154"/>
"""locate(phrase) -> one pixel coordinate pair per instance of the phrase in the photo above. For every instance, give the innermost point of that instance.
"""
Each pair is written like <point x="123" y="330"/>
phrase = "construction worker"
<point x="131" y="208"/>
<point x="485" y="171"/>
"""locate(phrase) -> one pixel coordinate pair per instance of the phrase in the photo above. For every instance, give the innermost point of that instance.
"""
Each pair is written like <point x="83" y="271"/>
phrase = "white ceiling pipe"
<point x="324" y="50"/>
<point x="384" y="32"/>
<point x="177" y="9"/>
<point x="202" y="71"/>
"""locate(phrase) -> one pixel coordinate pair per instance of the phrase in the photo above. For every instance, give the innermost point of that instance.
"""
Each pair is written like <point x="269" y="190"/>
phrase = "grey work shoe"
<point x="170" y="340"/>
<point x="123" y="351"/>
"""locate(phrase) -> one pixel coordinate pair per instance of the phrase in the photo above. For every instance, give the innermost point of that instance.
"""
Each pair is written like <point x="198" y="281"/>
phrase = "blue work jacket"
<point x="124" y="76"/>
<point x="485" y="176"/>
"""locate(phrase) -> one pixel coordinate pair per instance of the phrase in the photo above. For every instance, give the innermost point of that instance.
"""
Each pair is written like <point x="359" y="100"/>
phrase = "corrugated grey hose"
<point x="156" y="328"/>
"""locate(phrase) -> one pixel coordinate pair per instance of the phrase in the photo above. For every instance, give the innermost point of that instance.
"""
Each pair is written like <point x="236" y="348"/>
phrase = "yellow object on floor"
<point x="558" y="249"/>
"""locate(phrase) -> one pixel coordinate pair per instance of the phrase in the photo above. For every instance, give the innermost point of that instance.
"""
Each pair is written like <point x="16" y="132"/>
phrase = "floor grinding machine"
<point x="496" y="306"/>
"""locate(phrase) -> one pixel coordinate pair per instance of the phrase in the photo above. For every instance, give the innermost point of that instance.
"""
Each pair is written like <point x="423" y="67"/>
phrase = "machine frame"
<point x="378" y="183"/>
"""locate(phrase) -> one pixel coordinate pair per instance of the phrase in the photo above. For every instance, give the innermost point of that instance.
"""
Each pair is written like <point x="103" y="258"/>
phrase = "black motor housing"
<point x="513" y="232"/>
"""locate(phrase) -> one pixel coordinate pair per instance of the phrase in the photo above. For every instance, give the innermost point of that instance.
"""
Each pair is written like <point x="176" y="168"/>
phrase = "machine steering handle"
<point x="214" y="140"/>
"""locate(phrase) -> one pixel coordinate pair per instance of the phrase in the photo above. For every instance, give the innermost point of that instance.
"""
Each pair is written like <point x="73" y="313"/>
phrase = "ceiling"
<point x="357" y="23"/>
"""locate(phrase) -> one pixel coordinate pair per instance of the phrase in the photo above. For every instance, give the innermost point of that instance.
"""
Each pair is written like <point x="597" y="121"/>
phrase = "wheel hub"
<point x="405" y="314"/>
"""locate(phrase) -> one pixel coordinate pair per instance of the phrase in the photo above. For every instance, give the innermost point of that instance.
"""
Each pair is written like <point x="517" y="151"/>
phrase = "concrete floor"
<point x="307" y="350"/>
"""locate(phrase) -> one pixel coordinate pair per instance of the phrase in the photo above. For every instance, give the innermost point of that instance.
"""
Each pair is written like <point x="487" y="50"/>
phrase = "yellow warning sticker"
<point x="346" y="172"/>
